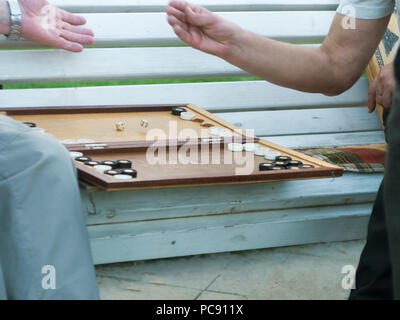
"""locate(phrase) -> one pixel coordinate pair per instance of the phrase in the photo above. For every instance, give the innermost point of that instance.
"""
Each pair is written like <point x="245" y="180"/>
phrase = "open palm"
<point x="200" y="28"/>
<point x="46" y="24"/>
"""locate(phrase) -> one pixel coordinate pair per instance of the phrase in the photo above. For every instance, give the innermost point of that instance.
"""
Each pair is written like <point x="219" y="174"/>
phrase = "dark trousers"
<point x="378" y="272"/>
<point x="374" y="272"/>
<point x="391" y="193"/>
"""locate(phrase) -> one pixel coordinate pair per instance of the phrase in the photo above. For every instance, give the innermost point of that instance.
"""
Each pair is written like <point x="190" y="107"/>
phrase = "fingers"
<point x="77" y="37"/>
<point x="199" y="16"/>
<point x="72" y="37"/>
<point x="372" y="96"/>
<point x="382" y="88"/>
<point x="177" y="20"/>
<point x="75" y="29"/>
<point x="195" y="15"/>
<point x="385" y="100"/>
<point x="182" y="34"/>
<point x="178" y="14"/>
<point x="65" y="44"/>
<point x="72" y="18"/>
<point x="179" y="5"/>
<point x="172" y="20"/>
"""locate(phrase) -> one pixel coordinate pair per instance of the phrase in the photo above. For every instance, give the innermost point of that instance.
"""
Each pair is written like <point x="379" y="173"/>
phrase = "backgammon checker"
<point x="182" y="145"/>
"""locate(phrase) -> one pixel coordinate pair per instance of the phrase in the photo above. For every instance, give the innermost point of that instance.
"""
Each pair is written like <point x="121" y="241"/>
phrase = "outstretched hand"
<point x="48" y="25"/>
<point x="202" y="29"/>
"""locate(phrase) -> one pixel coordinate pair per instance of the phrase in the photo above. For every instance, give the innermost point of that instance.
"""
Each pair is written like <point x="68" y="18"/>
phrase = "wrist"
<point x="5" y="20"/>
<point x="233" y="48"/>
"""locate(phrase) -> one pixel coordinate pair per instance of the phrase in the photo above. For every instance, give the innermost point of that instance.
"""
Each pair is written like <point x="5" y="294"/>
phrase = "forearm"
<point x="4" y="18"/>
<point x="304" y="68"/>
<point x="330" y="68"/>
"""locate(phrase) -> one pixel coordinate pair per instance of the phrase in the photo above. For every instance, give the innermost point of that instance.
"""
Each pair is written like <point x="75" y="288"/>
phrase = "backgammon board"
<point x="159" y="146"/>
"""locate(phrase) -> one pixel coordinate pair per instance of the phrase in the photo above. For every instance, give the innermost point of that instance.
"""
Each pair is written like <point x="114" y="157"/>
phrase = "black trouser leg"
<point x="374" y="276"/>
<point x="392" y="188"/>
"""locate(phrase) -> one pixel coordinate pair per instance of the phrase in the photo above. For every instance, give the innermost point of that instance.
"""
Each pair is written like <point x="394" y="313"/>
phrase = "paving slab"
<point x="297" y="272"/>
<point x="118" y="289"/>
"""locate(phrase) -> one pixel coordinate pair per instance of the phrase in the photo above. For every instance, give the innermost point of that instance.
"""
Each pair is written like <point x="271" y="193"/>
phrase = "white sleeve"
<point x="366" y="9"/>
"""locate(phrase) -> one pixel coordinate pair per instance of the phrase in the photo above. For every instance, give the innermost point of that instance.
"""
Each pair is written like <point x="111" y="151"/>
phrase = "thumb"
<point x="199" y="16"/>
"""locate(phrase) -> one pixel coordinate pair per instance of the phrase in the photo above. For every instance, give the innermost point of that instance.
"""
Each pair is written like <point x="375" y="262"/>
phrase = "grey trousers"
<point x="391" y="194"/>
<point x="44" y="246"/>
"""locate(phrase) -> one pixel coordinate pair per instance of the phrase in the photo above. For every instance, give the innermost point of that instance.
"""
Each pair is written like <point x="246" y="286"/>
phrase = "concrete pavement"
<point x="300" y="272"/>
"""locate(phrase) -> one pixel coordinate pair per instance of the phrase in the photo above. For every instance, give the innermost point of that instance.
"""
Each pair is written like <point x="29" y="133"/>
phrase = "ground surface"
<point x="301" y="272"/>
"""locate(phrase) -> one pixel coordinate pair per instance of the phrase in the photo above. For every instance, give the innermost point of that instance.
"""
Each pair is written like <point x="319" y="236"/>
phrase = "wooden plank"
<point x="103" y="207"/>
<point x="232" y="232"/>
<point x="214" y="5"/>
<point x="33" y="66"/>
<point x="289" y="122"/>
<point x="214" y="97"/>
<point x="329" y="140"/>
<point x="144" y="29"/>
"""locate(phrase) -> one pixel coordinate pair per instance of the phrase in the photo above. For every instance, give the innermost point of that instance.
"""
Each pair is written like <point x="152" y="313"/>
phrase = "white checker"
<point x="102" y="168"/>
<point x="187" y="116"/>
<point x="216" y="131"/>
<point x="260" y="151"/>
<point x="37" y="129"/>
<point x="122" y="177"/>
<point x="76" y="154"/>
<point x="69" y="141"/>
<point x="236" y="147"/>
<point x="271" y="155"/>
<point x="250" y="146"/>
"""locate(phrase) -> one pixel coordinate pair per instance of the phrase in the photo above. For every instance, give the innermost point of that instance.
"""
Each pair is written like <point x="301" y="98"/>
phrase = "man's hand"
<point x="48" y="25"/>
<point x="202" y="29"/>
<point x="382" y="88"/>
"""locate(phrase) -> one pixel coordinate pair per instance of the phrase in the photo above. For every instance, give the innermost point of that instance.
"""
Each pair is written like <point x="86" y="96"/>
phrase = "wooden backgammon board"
<point x="159" y="146"/>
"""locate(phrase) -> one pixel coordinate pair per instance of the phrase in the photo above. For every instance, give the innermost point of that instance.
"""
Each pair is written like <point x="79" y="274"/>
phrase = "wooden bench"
<point x="136" y="43"/>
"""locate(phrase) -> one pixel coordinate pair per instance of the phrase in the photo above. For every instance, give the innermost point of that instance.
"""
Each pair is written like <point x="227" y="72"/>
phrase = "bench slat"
<point x="214" y="5"/>
<point x="213" y="96"/>
<point x="104" y="207"/>
<point x="33" y="66"/>
<point x="290" y="122"/>
<point x="143" y="29"/>
<point x="182" y="237"/>
<point x="329" y="140"/>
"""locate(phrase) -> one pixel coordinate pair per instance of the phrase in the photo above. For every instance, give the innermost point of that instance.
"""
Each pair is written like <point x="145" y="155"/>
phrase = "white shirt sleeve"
<point x="366" y="9"/>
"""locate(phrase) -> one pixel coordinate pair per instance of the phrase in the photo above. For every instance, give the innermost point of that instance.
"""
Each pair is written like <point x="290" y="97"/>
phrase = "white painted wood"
<point x="181" y="237"/>
<point x="289" y="122"/>
<point x="33" y="66"/>
<point x="329" y="140"/>
<point x="212" y="96"/>
<point x="103" y="207"/>
<point x="214" y="5"/>
<point x="142" y="29"/>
